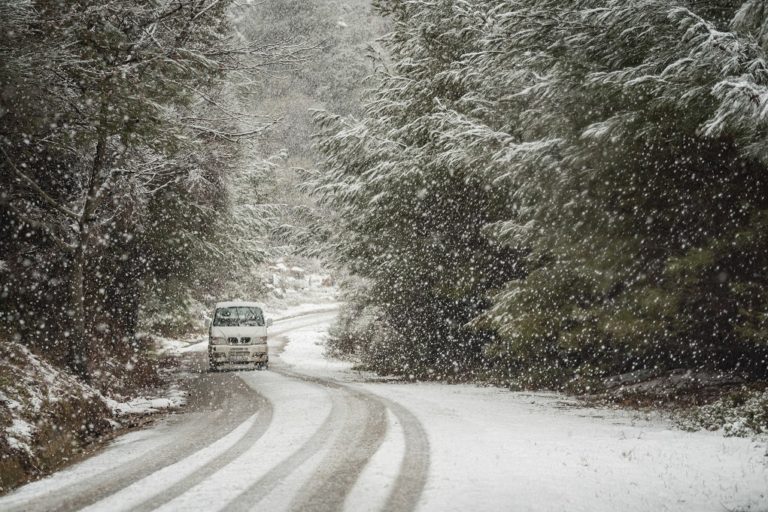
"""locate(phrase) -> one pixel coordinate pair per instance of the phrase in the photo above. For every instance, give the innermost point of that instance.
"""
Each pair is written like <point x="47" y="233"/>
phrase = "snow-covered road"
<point x="313" y="434"/>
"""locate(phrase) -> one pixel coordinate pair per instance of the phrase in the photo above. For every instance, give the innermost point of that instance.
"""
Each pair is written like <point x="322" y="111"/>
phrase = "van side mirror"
<point x="269" y="322"/>
<point x="207" y="323"/>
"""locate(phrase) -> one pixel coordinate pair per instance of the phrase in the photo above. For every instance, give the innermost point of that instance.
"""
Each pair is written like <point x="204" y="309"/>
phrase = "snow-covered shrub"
<point x="46" y="416"/>
<point x="354" y="331"/>
<point x="737" y="414"/>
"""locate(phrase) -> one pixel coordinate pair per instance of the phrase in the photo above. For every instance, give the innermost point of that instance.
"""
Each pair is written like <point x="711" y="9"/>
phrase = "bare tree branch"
<point x="39" y="224"/>
<point x="40" y="192"/>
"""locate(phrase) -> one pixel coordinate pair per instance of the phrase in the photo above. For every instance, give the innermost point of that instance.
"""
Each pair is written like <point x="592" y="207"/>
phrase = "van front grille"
<point x="245" y="340"/>
<point x="232" y="341"/>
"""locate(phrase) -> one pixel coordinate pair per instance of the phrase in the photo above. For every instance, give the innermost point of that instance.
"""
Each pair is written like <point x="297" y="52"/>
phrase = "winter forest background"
<point x="548" y="193"/>
<point x="150" y="162"/>
<point x="534" y="193"/>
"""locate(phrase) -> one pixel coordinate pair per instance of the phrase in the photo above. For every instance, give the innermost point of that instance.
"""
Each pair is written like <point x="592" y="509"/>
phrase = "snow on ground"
<point x="29" y="389"/>
<point x="489" y="449"/>
<point x="298" y="408"/>
<point x="133" y="495"/>
<point x="38" y="400"/>
<point x="281" y="313"/>
<point x="172" y="399"/>
<point x="126" y="448"/>
<point x="493" y="449"/>
<point x="374" y="483"/>
<point x="165" y="345"/>
<point x="306" y="350"/>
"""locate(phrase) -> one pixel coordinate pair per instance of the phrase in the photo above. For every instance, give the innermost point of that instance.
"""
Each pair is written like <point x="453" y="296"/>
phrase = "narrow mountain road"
<point x="268" y="440"/>
<point x="313" y="434"/>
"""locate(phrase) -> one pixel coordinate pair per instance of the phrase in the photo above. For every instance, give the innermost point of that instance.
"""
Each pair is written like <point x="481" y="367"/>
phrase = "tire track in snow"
<point x="250" y="438"/>
<point x="234" y="406"/>
<point x="257" y="491"/>
<point x="353" y="451"/>
<point x="412" y="476"/>
<point x="361" y="437"/>
<point x="357" y="448"/>
<point x="415" y="465"/>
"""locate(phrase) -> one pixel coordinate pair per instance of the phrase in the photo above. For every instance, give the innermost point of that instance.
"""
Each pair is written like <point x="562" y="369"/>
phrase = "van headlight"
<point x="217" y="340"/>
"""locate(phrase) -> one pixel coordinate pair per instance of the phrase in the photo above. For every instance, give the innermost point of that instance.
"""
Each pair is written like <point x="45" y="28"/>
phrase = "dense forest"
<point x="154" y="160"/>
<point x="132" y="180"/>
<point x="540" y="193"/>
<point x="546" y="193"/>
<point x="110" y="116"/>
<point x="155" y="157"/>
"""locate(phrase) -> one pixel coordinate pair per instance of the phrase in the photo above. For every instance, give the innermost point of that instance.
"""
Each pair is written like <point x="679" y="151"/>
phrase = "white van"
<point x="237" y="336"/>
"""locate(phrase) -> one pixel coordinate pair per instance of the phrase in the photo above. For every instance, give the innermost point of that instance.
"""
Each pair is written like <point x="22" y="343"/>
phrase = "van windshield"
<point x="238" y="317"/>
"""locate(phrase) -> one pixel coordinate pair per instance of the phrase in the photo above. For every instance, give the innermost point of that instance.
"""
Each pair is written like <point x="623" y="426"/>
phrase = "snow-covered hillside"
<point x="48" y="417"/>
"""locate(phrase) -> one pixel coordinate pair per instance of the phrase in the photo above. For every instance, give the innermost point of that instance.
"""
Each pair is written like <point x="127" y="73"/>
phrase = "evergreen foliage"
<point x="414" y="212"/>
<point x="336" y="35"/>
<point x="595" y="169"/>
<point x="118" y="142"/>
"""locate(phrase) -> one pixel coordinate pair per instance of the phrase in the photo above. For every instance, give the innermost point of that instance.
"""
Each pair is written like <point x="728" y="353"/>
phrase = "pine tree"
<point x="616" y="148"/>
<point x="637" y="257"/>
<point x="413" y="207"/>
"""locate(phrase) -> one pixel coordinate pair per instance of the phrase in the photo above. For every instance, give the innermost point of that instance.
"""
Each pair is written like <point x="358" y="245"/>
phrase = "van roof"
<point x="238" y="303"/>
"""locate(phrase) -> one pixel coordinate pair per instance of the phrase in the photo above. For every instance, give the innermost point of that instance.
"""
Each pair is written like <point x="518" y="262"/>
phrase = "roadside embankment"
<point x="49" y="418"/>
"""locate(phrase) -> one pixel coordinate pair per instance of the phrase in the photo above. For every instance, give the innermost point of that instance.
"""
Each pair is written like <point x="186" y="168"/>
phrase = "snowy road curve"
<point x="265" y="440"/>
<point x="311" y="434"/>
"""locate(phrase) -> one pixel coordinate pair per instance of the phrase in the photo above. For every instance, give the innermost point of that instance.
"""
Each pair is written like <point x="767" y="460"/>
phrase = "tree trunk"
<point x="79" y="347"/>
<point x="79" y="344"/>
